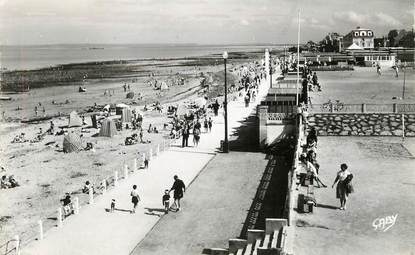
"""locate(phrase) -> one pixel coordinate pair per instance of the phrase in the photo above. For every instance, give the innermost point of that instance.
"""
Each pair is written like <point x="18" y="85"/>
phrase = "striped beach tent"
<point x="72" y="142"/>
<point x="108" y="128"/>
<point x="126" y="115"/>
<point x="74" y="120"/>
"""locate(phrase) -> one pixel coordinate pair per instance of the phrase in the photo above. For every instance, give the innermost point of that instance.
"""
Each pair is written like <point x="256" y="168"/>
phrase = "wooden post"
<point x="134" y="164"/>
<point x="59" y="210"/>
<point x="143" y="159"/>
<point x="104" y="186"/>
<point x="125" y="171"/>
<point x="115" y="178"/>
<point x="363" y="108"/>
<point x="91" y="195"/>
<point x="395" y="108"/>
<point x="76" y="205"/>
<point x="39" y="222"/>
<point x="17" y="244"/>
<point x="403" y="126"/>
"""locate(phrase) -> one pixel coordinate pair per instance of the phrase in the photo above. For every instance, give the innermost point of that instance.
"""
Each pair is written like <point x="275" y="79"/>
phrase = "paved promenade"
<point x="95" y="231"/>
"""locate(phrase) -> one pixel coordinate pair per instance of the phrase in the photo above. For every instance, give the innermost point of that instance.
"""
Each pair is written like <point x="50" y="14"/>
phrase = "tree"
<point x="391" y="37"/>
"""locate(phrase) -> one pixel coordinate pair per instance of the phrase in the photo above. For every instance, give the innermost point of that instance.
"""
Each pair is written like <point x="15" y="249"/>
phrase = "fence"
<point x="337" y="107"/>
<point x="37" y="229"/>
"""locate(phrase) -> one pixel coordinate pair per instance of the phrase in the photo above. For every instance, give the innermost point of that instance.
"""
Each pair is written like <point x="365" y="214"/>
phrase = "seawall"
<point x="363" y="124"/>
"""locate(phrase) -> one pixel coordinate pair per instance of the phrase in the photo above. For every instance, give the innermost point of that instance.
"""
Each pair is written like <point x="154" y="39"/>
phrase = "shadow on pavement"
<point x="270" y="198"/>
<point x="247" y="135"/>
<point x="327" y="206"/>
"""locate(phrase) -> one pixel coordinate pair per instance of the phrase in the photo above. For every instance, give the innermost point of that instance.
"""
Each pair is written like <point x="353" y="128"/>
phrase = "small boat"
<point x="5" y="98"/>
<point x="37" y="119"/>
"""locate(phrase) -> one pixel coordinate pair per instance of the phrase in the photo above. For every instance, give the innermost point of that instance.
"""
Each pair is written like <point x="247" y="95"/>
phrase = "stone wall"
<point x="362" y="124"/>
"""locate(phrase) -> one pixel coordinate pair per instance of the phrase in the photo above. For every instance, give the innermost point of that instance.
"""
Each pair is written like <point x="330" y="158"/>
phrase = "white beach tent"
<point x="181" y="110"/>
<point x="200" y="102"/>
<point x="164" y="86"/>
<point x="74" y="120"/>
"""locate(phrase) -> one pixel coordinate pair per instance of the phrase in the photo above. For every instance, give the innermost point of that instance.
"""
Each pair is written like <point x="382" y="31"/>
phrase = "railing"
<point x="37" y="229"/>
<point x="338" y="107"/>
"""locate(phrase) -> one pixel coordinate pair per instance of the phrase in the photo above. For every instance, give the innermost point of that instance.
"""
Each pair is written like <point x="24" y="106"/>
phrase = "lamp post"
<point x="225" y="107"/>
<point x="270" y="69"/>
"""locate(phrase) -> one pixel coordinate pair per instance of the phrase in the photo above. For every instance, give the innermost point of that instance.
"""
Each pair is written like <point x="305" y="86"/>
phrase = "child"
<point x="166" y="200"/>
<point x="112" y="205"/>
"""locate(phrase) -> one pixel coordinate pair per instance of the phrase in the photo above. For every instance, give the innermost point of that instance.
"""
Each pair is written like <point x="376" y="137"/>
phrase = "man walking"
<point x="179" y="188"/>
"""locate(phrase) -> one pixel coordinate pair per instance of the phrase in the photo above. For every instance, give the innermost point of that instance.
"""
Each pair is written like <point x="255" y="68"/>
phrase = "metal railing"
<point x="338" y="107"/>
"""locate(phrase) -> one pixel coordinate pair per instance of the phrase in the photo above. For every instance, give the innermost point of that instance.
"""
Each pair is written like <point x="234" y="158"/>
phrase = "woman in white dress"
<point x="344" y="185"/>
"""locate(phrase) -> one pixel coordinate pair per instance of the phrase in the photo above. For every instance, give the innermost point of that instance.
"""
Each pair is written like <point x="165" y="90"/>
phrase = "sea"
<point x="41" y="56"/>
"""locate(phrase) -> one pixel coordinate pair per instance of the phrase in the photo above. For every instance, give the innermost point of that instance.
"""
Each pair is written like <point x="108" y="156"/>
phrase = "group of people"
<point x="8" y="182"/>
<point x="178" y="189"/>
<point x="344" y="177"/>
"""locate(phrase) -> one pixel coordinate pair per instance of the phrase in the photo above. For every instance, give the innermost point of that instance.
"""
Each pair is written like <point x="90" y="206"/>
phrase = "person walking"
<point x="196" y="136"/>
<point x="210" y="124"/>
<point x="179" y="188"/>
<point x="344" y="185"/>
<point x="135" y="198"/>
<point x="185" y="135"/>
<point x="378" y="69"/>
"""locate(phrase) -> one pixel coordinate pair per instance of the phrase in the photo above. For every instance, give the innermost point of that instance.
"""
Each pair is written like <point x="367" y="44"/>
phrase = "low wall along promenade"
<point x="363" y="124"/>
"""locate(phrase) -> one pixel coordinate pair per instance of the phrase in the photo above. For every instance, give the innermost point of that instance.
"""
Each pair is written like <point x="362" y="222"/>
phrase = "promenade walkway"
<point x="95" y="231"/>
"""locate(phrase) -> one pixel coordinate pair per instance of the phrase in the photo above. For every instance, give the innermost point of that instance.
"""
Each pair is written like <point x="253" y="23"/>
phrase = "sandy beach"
<point x="45" y="173"/>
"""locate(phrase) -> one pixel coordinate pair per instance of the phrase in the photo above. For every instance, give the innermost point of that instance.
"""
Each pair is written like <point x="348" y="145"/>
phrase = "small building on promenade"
<point x="373" y="57"/>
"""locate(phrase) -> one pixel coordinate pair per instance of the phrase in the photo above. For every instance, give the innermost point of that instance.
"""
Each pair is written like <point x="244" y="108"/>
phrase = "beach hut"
<point x="182" y="110"/>
<point x="119" y="108"/>
<point x="74" y="120"/>
<point x="108" y="128"/>
<point x="72" y="142"/>
<point x="126" y="115"/>
<point x="164" y="86"/>
<point x="130" y="95"/>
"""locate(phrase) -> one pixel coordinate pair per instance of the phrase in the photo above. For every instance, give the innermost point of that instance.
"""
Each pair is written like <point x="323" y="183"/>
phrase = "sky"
<point x="25" y="22"/>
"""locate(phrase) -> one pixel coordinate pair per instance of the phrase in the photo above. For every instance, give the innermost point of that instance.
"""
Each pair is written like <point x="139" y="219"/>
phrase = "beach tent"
<point x="74" y="120"/>
<point x="126" y="115"/>
<point x="181" y="110"/>
<point x="164" y="86"/>
<point x="130" y="95"/>
<point x="119" y="108"/>
<point x="200" y="102"/>
<point x="108" y="128"/>
<point x="72" y="142"/>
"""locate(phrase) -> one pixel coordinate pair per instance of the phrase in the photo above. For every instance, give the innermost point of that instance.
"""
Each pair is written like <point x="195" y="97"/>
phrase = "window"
<point x="362" y="33"/>
<point x="369" y="33"/>
<point x="356" y="33"/>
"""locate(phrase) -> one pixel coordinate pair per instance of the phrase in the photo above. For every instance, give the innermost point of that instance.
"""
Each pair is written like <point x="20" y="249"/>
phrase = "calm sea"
<point x="33" y="57"/>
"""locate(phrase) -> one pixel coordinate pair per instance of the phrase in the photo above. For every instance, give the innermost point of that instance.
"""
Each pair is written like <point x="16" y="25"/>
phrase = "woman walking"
<point x="344" y="185"/>
<point x="196" y="136"/>
<point x="135" y="198"/>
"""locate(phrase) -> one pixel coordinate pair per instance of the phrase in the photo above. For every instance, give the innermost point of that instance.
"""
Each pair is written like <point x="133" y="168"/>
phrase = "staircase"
<point x="270" y="241"/>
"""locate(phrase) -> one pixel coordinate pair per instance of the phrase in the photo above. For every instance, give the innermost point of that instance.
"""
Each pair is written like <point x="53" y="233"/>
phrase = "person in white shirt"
<point x="344" y="185"/>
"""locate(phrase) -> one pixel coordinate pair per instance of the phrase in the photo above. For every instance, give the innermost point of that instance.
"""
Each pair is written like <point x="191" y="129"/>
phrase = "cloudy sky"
<point x="193" y="21"/>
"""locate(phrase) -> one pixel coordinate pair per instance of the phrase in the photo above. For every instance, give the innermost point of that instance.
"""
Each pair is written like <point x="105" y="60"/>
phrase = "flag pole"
<point x="298" y="60"/>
